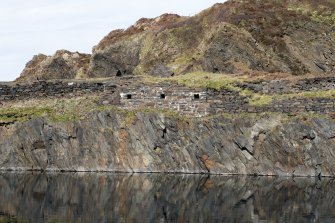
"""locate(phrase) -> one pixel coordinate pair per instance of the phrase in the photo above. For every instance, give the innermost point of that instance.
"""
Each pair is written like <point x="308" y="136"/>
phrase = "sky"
<point x="31" y="27"/>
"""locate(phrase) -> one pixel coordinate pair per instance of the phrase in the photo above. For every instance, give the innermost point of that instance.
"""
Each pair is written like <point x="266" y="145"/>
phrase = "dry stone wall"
<point x="179" y="99"/>
<point x="51" y="90"/>
<point x="287" y="86"/>
<point x="129" y="93"/>
<point x="209" y="102"/>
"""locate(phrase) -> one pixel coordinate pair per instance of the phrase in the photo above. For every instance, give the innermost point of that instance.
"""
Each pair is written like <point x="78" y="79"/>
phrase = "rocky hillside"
<point x="237" y="36"/>
<point x="290" y="36"/>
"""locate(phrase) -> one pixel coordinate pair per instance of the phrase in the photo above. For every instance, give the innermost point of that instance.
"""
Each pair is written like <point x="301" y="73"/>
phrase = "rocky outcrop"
<point x="119" y="53"/>
<point x="289" y="36"/>
<point x="62" y="65"/>
<point x="237" y="36"/>
<point x="154" y="142"/>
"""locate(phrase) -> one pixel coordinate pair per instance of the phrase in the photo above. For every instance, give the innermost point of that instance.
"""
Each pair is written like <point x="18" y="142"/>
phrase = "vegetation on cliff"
<point x="220" y="48"/>
<point x="238" y="36"/>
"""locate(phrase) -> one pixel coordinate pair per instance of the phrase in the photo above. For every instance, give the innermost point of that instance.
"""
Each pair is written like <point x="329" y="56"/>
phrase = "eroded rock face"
<point x="153" y="142"/>
<point x="62" y="65"/>
<point x="238" y="36"/>
<point x="295" y="37"/>
<point x="121" y="51"/>
<point x="119" y="59"/>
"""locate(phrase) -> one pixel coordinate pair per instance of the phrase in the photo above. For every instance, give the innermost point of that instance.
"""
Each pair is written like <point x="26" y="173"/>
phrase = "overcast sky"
<point x="29" y="27"/>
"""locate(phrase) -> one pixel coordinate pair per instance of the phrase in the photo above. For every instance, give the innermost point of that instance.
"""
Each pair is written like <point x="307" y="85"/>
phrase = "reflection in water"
<point x="163" y="198"/>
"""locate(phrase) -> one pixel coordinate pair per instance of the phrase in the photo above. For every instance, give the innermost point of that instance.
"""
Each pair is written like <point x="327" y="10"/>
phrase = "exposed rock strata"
<point x="152" y="142"/>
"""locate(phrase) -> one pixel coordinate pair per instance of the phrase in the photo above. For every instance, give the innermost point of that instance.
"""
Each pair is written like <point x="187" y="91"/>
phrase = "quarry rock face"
<point x="62" y="65"/>
<point x="154" y="142"/>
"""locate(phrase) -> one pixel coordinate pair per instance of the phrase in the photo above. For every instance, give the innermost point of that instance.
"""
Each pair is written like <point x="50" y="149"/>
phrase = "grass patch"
<point x="256" y="99"/>
<point x="310" y="94"/>
<point x="260" y="100"/>
<point x="201" y="80"/>
<point x="69" y="110"/>
<point x="208" y="80"/>
<point x="263" y="99"/>
<point x="57" y="110"/>
<point x="11" y="115"/>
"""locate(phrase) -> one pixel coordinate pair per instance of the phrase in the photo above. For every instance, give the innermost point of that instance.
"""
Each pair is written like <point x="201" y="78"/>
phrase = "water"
<point x="163" y="198"/>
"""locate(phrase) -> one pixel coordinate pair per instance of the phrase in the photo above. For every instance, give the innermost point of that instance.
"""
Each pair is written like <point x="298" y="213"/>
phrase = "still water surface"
<point x="145" y="198"/>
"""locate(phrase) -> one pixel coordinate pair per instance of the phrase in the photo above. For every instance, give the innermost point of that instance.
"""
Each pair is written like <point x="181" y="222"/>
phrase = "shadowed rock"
<point x="153" y="142"/>
<point x="164" y="198"/>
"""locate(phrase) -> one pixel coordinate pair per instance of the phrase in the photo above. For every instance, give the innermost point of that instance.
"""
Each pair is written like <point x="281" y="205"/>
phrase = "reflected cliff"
<point x="163" y="198"/>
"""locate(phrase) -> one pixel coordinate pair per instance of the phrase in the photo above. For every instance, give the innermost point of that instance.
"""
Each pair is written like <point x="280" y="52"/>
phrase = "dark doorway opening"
<point x="118" y="73"/>
<point x="196" y="96"/>
<point x="162" y="96"/>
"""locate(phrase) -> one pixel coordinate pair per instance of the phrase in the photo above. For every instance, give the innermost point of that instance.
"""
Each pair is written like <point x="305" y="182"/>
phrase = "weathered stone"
<point x="62" y="65"/>
<point x="152" y="142"/>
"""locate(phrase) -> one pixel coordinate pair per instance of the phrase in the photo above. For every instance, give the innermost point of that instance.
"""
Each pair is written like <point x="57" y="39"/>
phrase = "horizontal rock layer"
<point x="153" y="142"/>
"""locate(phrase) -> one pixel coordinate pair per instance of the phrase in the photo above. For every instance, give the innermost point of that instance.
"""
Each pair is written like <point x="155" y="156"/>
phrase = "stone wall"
<point x="176" y="98"/>
<point x="51" y="90"/>
<point x="289" y="86"/>
<point x="130" y="93"/>
<point x="289" y="106"/>
<point x="209" y="102"/>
